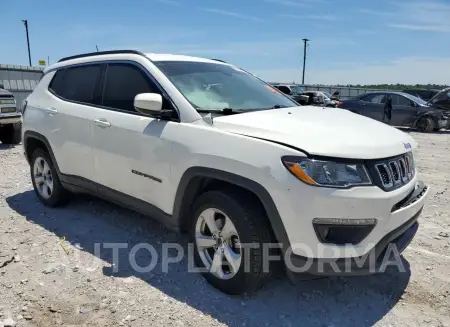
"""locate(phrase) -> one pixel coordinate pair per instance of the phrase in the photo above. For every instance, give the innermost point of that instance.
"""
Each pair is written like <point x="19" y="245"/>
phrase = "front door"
<point x="403" y="111"/>
<point x="130" y="152"/>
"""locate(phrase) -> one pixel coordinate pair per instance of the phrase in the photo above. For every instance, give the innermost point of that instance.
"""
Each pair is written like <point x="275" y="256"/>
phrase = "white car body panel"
<point x="68" y="129"/>
<point x="132" y="143"/>
<point x="321" y="131"/>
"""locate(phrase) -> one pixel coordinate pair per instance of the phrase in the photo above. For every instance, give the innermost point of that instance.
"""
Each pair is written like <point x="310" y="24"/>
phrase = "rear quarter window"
<point x="57" y="82"/>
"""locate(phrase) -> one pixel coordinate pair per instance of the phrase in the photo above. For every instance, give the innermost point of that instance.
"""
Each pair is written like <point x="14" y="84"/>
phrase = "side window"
<point x="374" y="98"/>
<point x="398" y="100"/>
<point x="284" y="89"/>
<point x="56" y="84"/>
<point x="123" y="82"/>
<point x="79" y="83"/>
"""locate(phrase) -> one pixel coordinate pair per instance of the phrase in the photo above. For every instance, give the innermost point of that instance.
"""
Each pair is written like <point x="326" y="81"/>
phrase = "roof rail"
<point x="99" y="53"/>
<point x="219" y="60"/>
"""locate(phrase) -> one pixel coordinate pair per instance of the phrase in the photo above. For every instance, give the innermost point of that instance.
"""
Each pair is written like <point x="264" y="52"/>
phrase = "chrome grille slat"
<point x="393" y="165"/>
<point x="395" y="172"/>
<point x="403" y="170"/>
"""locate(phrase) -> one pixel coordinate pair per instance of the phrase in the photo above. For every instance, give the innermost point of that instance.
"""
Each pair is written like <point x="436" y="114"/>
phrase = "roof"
<point x="116" y="54"/>
<point x="177" y="57"/>
<point x="386" y="91"/>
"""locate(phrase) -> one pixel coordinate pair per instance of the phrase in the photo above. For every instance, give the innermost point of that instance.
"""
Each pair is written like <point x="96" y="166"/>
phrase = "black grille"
<point x="392" y="173"/>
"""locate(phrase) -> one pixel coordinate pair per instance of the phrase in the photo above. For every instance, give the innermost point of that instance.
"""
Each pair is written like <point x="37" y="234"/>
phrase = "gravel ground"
<point x="50" y="275"/>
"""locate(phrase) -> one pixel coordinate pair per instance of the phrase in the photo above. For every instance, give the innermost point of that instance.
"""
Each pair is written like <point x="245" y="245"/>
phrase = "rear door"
<point x="69" y="117"/>
<point x="403" y="111"/>
<point x="131" y="156"/>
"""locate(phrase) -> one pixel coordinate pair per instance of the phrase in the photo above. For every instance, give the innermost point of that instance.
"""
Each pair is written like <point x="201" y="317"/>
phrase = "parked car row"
<point x="309" y="98"/>
<point x="403" y="109"/>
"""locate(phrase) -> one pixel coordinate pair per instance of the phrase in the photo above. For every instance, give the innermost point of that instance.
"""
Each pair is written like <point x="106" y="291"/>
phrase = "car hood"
<point x="321" y="131"/>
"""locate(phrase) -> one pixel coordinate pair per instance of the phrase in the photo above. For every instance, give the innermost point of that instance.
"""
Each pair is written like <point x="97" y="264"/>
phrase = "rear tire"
<point x="45" y="180"/>
<point x="426" y="125"/>
<point x="238" y="219"/>
<point x="11" y="134"/>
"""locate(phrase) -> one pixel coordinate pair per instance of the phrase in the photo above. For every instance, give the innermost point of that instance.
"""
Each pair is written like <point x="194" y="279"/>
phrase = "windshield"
<point x="210" y="86"/>
<point x="328" y="95"/>
<point x="416" y="99"/>
<point x="297" y="89"/>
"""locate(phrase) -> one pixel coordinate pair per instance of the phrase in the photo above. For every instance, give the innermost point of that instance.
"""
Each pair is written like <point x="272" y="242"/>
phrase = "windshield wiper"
<point x="224" y="111"/>
<point x="278" y="106"/>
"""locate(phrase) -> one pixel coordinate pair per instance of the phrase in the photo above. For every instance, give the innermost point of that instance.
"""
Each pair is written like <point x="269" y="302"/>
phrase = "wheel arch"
<point x="33" y="140"/>
<point x="428" y="114"/>
<point x="197" y="180"/>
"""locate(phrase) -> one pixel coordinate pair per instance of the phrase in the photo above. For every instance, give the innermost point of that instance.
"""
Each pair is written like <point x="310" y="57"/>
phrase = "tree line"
<point x="398" y="86"/>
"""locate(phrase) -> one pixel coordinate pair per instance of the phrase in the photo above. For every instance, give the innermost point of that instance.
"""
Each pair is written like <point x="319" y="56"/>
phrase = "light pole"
<point x="305" y="41"/>
<point x="25" y="22"/>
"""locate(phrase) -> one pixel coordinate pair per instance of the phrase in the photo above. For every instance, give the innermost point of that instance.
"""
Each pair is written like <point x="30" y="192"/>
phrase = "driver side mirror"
<point x="148" y="103"/>
<point x="413" y="104"/>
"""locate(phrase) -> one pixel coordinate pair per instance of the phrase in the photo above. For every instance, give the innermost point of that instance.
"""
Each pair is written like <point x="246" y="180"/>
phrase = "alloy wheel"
<point x="218" y="243"/>
<point x="43" y="178"/>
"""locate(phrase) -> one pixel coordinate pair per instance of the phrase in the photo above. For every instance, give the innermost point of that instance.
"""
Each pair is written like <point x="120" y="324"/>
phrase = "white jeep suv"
<point x="207" y="148"/>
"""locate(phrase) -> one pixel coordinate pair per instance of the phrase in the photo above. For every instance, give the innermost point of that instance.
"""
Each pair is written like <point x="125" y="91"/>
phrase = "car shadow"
<point x="356" y="301"/>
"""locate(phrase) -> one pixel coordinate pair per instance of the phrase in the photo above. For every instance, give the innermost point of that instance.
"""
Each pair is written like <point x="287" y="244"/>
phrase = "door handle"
<point x="52" y="111"/>
<point x="102" y="123"/>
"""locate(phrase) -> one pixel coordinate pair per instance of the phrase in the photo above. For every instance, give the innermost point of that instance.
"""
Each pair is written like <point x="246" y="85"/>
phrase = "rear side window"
<point x="56" y="84"/>
<point x="374" y="98"/>
<point x="123" y="82"/>
<point x="79" y="83"/>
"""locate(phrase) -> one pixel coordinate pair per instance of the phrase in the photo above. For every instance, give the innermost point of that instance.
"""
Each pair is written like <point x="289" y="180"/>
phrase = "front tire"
<point x="225" y="220"/>
<point x="426" y="125"/>
<point x="45" y="180"/>
<point x="11" y="134"/>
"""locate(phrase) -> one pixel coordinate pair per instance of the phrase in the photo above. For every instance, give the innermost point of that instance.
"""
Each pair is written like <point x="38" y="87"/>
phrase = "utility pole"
<point x="305" y="41"/>
<point x="25" y="22"/>
<point x="96" y="47"/>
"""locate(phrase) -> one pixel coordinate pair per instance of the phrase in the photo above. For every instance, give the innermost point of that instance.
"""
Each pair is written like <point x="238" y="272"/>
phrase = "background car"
<point x="294" y="91"/>
<point x="319" y="98"/>
<point x="407" y="110"/>
<point x="10" y="118"/>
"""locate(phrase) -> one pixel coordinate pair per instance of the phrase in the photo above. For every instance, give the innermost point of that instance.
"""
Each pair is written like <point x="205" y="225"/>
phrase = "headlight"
<point x="327" y="173"/>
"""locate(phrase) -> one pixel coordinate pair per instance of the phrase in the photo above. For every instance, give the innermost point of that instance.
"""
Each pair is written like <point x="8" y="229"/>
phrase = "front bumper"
<point x="6" y="119"/>
<point x="444" y="123"/>
<point x="397" y="213"/>
<point x="386" y="253"/>
<point x="299" y="205"/>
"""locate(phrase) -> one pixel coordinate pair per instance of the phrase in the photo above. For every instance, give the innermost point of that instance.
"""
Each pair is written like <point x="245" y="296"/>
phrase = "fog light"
<point x="343" y="231"/>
